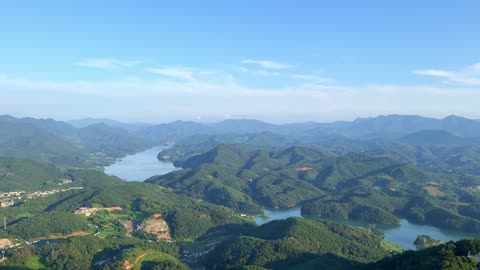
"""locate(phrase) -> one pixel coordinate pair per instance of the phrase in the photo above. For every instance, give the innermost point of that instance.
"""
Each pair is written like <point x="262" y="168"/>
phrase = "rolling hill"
<point x="27" y="175"/>
<point x="352" y="186"/>
<point x="24" y="140"/>
<point x="301" y="243"/>
<point x="59" y="143"/>
<point x="451" y="256"/>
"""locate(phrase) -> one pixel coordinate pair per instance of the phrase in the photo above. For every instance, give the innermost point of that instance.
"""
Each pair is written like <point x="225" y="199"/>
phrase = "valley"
<point x="198" y="202"/>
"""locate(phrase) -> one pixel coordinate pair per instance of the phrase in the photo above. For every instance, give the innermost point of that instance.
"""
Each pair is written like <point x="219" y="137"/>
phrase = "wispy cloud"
<point x="106" y="63"/>
<point x="177" y="73"/>
<point x="467" y="76"/>
<point x="193" y="96"/>
<point x="266" y="64"/>
<point x="190" y="74"/>
<point x="192" y="91"/>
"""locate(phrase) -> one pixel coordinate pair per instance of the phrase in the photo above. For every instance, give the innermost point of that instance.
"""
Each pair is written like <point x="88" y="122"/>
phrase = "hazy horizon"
<point x="96" y="119"/>
<point x="211" y="61"/>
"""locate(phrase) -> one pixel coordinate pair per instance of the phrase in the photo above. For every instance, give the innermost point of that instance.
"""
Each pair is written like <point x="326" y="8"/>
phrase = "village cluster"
<point x="9" y="198"/>
<point x="87" y="211"/>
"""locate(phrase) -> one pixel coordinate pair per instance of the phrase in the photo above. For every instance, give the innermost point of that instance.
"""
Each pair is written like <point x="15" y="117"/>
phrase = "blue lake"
<point x="141" y="166"/>
<point x="403" y="234"/>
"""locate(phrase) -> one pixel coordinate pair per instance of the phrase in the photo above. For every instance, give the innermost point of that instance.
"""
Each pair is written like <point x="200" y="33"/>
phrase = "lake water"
<point x="141" y="166"/>
<point x="277" y="214"/>
<point x="403" y="234"/>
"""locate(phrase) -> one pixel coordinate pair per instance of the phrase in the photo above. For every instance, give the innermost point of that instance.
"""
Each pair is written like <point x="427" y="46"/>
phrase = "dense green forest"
<point x="293" y="242"/>
<point x="46" y="224"/>
<point x="187" y="218"/>
<point x="26" y="175"/>
<point x="449" y="256"/>
<point x="432" y="150"/>
<point x="353" y="186"/>
<point x="59" y="143"/>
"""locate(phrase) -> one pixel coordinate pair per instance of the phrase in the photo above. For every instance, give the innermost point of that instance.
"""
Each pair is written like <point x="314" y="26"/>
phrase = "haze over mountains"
<point x="65" y="143"/>
<point x="400" y="124"/>
<point x="381" y="126"/>
<point x="62" y="144"/>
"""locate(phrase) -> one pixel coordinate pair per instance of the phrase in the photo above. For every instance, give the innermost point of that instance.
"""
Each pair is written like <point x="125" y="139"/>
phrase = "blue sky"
<point x="279" y="61"/>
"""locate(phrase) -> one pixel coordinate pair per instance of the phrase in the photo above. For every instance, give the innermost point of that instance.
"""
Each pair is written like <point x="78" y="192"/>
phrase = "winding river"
<point x="141" y="166"/>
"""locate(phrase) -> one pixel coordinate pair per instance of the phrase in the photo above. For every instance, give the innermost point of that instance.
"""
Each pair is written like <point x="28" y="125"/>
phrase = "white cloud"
<point x="188" y="74"/>
<point x="266" y="64"/>
<point x="434" y="73"/>
<point x="178" y="73"/>
<point x="106" y="63"/>
<point x="194" y="93"/>
<point x="140" y="99"/>
<point x="467" y="76"/>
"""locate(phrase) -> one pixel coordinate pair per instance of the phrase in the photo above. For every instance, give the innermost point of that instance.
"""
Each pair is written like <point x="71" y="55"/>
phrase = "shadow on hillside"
<point x="314" y="261"/>
<point x="229" y="229"/>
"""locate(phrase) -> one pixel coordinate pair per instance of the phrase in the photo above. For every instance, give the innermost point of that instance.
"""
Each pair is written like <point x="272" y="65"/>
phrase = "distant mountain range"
<point x="60" y="143"/>
<point x="391" y="126"/>
<point x="71" y="143"/>
<point x="81" y="123"/>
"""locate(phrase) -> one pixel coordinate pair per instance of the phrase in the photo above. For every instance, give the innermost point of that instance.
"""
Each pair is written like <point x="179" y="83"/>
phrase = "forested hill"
<point x="27" y="175"/>
<point x="115" y="223"/>
<point x="388" y="126"/>
<point x="59" y="143"/>
<point x="297" y="243"/>
<point x="449" y="256"/>
<point x="27" y="141"/>
<point x="353" y="186"/>
<point x="229" y="176"/>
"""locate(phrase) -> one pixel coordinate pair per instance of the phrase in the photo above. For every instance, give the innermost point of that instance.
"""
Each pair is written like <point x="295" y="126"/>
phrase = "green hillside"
<point x="187" y="218"/>
<point x="24" y="140"/>
<point x="294" y="242"/>
<point x="26" y="175"/>
<point x="431" y="150"/>
<point x="114" y="142"/>
<point x="353" y="186"/>
<point x="56" y="142"/>
<point x="273" y="179"/>
<point x="20" y="174"/>
<point x="449" y="256"/>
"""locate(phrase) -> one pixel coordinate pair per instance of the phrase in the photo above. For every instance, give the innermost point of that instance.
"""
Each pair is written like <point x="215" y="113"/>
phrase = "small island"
<point x="425" y="241"/>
